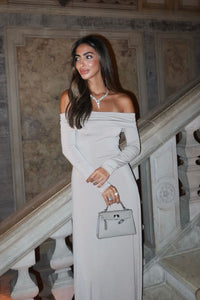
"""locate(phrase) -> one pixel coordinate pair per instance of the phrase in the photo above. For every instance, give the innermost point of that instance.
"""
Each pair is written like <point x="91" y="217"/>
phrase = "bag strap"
<point x="120" y="202"/>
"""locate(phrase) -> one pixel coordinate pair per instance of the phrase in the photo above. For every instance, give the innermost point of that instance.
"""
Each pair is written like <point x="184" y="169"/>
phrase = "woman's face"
<point x="87" y="62"/>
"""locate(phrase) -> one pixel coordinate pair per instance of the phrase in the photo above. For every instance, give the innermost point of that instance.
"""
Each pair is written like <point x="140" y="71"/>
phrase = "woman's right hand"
<point x="111" y="195"/>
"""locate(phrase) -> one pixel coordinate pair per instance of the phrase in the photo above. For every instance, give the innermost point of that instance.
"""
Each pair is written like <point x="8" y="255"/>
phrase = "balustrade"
<point x="25" y="288"/>
<point x="159" y="150"/>
<point x="188" y="149"/>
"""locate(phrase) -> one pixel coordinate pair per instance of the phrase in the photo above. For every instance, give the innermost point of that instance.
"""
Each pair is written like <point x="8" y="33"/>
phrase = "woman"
<point x="93" y="114"/>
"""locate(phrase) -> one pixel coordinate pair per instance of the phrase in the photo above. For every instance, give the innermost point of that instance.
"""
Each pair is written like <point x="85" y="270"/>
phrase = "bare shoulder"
<point x="64" y="100"/>
<point x="125" y="103"/>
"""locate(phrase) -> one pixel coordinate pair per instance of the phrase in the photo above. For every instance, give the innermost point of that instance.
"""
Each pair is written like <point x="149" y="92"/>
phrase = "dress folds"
<point x="111" y="268"/>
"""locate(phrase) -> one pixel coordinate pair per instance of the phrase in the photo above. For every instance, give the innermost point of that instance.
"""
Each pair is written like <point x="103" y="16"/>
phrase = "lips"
<point x="83" y="71"/>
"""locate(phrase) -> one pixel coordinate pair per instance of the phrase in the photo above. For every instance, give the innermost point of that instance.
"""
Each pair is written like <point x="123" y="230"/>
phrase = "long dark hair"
<point x="80" y="105"/>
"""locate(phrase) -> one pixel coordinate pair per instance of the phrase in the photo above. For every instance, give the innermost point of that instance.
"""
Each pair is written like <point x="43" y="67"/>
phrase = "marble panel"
<point x="175" y="64"/>
<point x="43" y="73"/>
<point x="165" y="196"/>
<point x="126" y="63"/>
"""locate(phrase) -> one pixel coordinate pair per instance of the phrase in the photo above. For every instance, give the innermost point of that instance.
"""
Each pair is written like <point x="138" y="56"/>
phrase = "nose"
<point x="82" y="62"/>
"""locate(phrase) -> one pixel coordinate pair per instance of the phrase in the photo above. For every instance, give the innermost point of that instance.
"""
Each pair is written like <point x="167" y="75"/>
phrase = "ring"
<point x="110" y="198"/>
<point x="116" y="194"/>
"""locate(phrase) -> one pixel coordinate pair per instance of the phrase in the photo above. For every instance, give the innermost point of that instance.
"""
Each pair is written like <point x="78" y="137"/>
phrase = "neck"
<point x="98" y="87"/>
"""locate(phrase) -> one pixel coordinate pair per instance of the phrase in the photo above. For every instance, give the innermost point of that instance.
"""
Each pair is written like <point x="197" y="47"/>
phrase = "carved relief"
<point x="165" y="193"/>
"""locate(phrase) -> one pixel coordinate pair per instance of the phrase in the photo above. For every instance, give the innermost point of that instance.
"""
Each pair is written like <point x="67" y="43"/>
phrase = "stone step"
<point x="162" y="291"/>
<point x="183" y="273"/>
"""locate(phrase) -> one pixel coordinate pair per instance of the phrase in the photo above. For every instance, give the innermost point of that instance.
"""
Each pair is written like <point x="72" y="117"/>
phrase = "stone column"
<point x="165" y="193"/>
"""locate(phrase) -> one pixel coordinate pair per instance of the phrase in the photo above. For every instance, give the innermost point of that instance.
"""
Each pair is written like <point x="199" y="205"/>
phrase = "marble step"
<point x="162" y="291"/>
<point x="183" y="273"/>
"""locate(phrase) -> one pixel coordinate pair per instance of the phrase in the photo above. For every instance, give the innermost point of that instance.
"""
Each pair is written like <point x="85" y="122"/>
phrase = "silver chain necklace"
<point x="99" y="100"/>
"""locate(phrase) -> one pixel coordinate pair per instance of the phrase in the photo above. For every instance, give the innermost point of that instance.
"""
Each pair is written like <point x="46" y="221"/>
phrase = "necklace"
<point x="99" y="100"/>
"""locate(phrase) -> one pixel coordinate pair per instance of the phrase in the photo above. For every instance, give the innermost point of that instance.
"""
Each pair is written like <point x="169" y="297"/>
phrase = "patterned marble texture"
<point x="126" y="65"/>
<point x="43" y="65"/>
<point x="44" y="71"/>
<point x="177" y="64"/>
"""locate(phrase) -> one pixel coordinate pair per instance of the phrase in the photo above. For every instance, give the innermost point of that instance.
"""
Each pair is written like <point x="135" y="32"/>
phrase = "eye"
<point x="76" y="58"/>
<point x="89" y="56"/>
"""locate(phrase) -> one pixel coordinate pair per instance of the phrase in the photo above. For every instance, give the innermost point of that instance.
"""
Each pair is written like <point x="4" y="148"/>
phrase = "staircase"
<point x="43" y="228"/>
<point x="175" y="274"/>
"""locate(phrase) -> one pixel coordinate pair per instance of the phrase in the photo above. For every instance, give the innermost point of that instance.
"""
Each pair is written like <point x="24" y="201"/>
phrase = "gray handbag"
<point x="115" y="223"/>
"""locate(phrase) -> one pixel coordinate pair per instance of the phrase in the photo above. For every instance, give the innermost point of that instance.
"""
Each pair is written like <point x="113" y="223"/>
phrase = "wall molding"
<point x="90" y="10"/>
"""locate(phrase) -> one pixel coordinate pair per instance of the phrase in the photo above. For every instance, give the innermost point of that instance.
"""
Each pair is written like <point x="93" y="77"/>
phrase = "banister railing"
<point x="155" y="132"/>
<point x="35" y="228"/>
<point x="39" y="220"/>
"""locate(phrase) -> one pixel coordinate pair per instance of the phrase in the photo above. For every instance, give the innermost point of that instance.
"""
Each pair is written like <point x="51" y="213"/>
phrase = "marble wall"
<point x="149" y="63"/>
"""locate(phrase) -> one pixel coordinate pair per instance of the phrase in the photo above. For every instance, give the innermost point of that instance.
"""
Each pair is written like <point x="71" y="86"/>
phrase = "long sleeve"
<point x="131" y="150"/>
<point x="72" y="153"/>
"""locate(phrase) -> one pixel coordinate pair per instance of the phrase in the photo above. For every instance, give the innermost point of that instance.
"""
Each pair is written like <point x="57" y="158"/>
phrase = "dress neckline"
<point x="112" y="112"/>
<point x="107" y="112"/>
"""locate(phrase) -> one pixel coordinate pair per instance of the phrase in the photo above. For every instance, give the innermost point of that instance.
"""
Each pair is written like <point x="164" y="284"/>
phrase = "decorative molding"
<point x="189" y="5"/>
<point x="165" y="193"/>
<point x="17" y="37"/>
<point x="155" y="4"/>
<point x="90" y="11"/>
<point x="80" y="3"/>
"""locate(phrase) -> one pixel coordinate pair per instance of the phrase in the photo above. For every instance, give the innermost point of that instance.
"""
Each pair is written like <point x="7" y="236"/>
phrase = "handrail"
<point x="39" y="224"/>
<point x="35" y="228"/>
<point x="31" y="205"/>
<point x="168" y="123"/>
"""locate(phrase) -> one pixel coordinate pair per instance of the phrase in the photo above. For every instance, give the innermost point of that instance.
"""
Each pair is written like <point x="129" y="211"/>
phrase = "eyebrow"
<point x="84" y="54"/>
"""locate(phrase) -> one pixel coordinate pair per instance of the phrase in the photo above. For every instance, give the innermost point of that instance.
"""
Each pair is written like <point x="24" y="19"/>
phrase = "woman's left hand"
<point x="99" y="176"/>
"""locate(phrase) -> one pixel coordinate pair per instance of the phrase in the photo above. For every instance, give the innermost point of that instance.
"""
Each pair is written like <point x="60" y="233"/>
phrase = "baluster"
<point x="61" y="261"/>
<point x="25" y="288"/>
<point x="188" y="149"/>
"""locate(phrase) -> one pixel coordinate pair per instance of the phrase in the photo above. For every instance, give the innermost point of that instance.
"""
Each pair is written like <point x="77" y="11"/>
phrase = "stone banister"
<point x="38" y="222"/>
<point x="158" y="130"/>
<point x="35" y="228"/>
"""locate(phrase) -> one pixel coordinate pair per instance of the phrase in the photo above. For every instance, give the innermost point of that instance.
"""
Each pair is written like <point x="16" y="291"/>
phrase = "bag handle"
<point x="120" y="202"/>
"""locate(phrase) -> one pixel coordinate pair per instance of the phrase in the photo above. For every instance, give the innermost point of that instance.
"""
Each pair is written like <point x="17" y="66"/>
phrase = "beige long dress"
<point x="111" y="268"/>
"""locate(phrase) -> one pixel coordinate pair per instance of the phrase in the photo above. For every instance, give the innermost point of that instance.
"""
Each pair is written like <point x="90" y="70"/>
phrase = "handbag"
<point x="115" y="223"/>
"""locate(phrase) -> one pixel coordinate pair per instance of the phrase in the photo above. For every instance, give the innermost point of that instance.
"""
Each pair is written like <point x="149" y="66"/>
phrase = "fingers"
<point x="111" y="195"/>
<point x="98" y="177"/>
